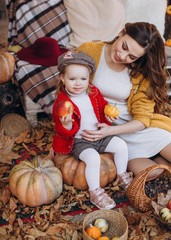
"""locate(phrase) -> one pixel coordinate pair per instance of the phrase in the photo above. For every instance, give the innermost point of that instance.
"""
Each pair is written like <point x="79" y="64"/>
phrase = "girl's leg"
<point x="119" y="148"/>
<point x="92" y="172"/>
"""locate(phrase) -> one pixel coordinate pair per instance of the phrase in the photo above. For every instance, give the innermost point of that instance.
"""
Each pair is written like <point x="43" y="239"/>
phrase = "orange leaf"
<point x="22" y="137"/>
<point x="56" y="228"/>
<point x="13" y="205"/>
<point x="5" y="195"/>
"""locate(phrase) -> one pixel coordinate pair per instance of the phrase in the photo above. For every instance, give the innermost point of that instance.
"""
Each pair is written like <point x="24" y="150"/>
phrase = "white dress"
<point x="115" y="87"/>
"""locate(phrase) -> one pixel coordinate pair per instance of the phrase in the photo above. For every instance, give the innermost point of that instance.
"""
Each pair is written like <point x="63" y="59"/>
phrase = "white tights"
<point x="92" y="160"/>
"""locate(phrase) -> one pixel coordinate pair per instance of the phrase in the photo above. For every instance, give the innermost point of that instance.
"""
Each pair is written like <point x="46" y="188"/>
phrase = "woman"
<point x="131" y="75"/>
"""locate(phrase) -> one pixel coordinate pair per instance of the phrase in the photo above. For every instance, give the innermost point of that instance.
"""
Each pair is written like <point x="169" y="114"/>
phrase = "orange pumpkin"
<point x="168" y="10"/>
<point x="93" y="232"/>
<point x="111" y="111"/>
<point x="35" y="182"/>
<point x="7" y="64"/>
<point x="168" y="43"/>
<point x="103" y="238"/>
<point x="73" y="170"/>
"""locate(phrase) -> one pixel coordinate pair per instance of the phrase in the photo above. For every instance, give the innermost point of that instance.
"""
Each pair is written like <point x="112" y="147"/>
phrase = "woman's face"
<point x="126" y="50"/>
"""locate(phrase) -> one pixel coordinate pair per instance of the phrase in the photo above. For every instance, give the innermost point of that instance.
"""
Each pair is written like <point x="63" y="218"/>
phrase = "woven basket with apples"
<point x="162" y="208"/>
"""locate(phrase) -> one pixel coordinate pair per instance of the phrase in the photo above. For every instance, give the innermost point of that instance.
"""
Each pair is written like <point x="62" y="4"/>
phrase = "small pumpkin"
<point x="73" y="170"/>
<point x="36" y="182"/>
<point x="103" y="238"/>
<point x="102" y="224"/>
<point x="168" y="43"/>
<point x="168" y="10"/>
<point x="93" y="231"/>
<point x="7" y="64"/>
<point x="111" y="111"/>
<point x="165" y="213"/>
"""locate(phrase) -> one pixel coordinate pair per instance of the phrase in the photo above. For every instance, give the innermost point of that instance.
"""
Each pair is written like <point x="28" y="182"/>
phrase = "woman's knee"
<point x="139" y="164"/>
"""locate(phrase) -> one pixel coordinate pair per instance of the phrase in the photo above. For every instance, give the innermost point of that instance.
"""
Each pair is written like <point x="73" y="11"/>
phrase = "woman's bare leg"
<point x="138" y="164"/>
<point x="161" y="160"/>
<point x="166" y="154"/>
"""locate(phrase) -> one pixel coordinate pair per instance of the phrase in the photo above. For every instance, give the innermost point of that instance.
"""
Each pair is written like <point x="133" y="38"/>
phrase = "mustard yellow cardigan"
<point x="139" y="105"/>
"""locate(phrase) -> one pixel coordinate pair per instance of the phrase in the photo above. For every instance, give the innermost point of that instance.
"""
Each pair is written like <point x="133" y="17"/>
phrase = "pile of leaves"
<point x="63" y="218"/>
<point x="160" y="203"/>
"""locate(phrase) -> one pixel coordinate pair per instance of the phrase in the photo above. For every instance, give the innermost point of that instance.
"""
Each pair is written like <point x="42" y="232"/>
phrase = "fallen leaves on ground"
<point x="6" y="146"/>
<point x="52" y="222"/>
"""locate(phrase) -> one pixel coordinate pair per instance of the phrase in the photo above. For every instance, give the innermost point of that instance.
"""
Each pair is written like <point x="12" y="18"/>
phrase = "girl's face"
<point x="76" y="78"/>
<point x="126" y="50"/>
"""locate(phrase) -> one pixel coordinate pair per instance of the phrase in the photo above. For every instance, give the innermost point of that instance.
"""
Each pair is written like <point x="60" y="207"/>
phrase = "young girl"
<point x="75" y="70"/>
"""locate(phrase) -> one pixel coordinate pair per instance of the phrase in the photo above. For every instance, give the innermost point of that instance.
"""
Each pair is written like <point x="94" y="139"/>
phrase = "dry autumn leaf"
<point x="162" y="200"/>
<point x="56" y="228"/>
<point x="12" y="218"/>
<point x="13" y="204"/>
<point x="5" y="196"/>
<point x="40" y="134"/>
<point x="6" y="146"/>
<point x="36" y="232"/>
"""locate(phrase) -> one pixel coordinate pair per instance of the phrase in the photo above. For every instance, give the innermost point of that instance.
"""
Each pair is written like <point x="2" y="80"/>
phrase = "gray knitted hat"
<point x="73" y="57"/>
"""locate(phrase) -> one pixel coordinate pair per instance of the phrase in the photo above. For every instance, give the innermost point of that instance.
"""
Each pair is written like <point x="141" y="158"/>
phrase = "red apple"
<point x="63" y="108"/>
<point x="169" y="204"/>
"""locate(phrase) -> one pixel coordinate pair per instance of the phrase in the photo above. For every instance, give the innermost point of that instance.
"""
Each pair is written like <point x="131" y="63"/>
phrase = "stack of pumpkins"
<point x="8" y="94"/>
<point x="73" y="170"/>
<point x="7" y="64"/>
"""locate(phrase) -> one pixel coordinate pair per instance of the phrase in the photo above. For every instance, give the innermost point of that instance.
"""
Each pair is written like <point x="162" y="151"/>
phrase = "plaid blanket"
<point x="11" y="6"/>
<point x="32" y="19"/>
<point x="28" y="21"/>
<point x="37" y="82"/>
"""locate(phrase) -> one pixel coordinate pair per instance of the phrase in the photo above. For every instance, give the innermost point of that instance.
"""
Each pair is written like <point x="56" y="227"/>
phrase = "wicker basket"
<point x="136" y="191"/>
<point x="118" y="225"/>
<point x="14" y="124"/>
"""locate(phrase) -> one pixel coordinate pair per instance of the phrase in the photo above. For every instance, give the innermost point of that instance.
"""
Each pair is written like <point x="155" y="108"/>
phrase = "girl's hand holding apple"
<point x="67" y="121"/>
<point x="64" y="110"/>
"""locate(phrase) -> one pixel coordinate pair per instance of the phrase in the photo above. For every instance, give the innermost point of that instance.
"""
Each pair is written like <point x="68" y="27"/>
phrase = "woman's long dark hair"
<point x="152" y="64"/>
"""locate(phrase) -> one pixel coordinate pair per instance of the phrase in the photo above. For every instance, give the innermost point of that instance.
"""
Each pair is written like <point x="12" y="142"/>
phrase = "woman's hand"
<point x="106" y="130"/>
<point x="94" y="135"/>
